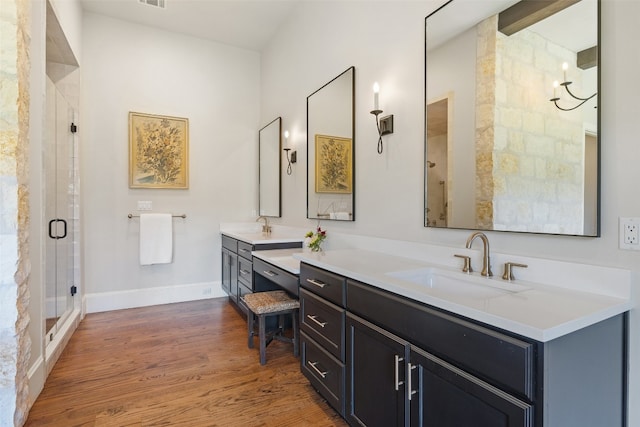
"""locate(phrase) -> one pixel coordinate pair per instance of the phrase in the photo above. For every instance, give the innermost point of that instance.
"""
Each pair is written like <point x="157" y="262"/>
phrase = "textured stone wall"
<point x="14" y="211"/>
<point x="485" y="119"/>
<point x="530" y="155"/>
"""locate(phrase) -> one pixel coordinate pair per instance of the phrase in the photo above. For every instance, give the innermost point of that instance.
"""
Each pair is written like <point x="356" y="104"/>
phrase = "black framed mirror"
<point x="505" y="150"/>
<point x="270" y="169"/>
<point x="331" y="149"/>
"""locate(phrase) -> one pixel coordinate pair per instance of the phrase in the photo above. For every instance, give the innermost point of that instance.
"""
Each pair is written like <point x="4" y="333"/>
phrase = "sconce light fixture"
<point x="385" y="124"/>
<point x="566" y="84"/>
<point x="293" y="158"/>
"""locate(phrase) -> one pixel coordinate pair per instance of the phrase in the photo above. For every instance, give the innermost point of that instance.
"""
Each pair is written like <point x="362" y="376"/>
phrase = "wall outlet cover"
<point x="629" y="232"/>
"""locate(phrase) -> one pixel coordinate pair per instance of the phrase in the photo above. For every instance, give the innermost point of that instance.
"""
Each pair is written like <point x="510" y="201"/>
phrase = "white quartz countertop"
<point x="281" y="258"/>
<point x="541" y="312"/>
<point x="256" y="237"/>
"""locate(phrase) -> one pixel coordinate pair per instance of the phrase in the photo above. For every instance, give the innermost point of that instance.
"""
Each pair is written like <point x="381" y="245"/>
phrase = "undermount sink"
<point x="444" y="282"/>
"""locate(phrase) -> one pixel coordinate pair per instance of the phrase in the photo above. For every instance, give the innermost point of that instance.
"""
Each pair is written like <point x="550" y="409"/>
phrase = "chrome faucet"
<point x="486" y="260"/>
<point x="266" y="228"/>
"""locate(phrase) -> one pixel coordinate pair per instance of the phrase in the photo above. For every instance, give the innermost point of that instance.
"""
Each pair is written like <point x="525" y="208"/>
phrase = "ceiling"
<point x="248" y="24"/>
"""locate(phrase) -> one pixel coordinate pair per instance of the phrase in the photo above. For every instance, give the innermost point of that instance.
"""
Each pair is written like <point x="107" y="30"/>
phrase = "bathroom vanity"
<point x="238" y="264"/>
<point x="385" y="349"/>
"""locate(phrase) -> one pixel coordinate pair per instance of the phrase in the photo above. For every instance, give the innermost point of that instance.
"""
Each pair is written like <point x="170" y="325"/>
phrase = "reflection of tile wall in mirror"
<point x="530" y="163"/>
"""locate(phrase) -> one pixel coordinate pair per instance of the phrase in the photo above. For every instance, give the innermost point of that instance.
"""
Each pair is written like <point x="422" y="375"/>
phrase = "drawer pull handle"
<point x="321" y="324"/>
<point x="244" y="272"/>
<point x="313" y="365"/>
<point x="398" y="359"/>
<point x="270" y="273"/>
<point x="317" y="283"/>
<point x="409" y="391"/>
<point x="244" y="250"/>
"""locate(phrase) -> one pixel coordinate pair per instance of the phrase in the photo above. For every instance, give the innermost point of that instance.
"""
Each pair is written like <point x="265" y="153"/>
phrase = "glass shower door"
<point x="60" y="195"/>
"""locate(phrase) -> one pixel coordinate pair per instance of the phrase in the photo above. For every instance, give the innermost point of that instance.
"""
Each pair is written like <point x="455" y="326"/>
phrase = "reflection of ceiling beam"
<point x="528" y="12"/>
<point x="587" y="58"/>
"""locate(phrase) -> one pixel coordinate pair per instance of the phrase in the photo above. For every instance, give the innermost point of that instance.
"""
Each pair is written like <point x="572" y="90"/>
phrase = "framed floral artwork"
<point x="333" y="164"/>
<point x="158" y="151"/>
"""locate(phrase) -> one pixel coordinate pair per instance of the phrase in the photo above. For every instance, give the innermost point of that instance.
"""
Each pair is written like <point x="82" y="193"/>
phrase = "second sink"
<point x="441" y="281"/>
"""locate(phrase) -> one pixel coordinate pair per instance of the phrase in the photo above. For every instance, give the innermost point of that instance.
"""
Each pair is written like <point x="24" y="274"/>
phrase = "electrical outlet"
<point x="145" y="205"/>
<point x="629" y="230"/>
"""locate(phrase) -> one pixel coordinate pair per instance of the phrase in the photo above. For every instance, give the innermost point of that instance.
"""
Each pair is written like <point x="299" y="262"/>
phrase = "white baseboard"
<point x="118" y="300"/>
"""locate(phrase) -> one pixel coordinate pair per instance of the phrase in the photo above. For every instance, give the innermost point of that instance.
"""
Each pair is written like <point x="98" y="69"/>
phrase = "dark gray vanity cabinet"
<point x="393" y="383"/>
<point x="375" y="375"/>
<point x="237" y="267"/>
<point x="439" y="394"/>
<point x="322" y="329"/>
<point x="410" y="364"/>
<point x="230" y="267"/>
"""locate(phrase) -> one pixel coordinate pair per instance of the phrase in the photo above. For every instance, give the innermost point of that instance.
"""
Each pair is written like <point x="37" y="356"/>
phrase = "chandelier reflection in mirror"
<point x="566" y="84"/>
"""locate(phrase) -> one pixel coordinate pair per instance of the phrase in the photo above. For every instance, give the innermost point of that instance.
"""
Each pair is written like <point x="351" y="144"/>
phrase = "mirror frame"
<point x="311" y="173"/>
<point x="261" y="141"/>
<point x="598" y="144"/>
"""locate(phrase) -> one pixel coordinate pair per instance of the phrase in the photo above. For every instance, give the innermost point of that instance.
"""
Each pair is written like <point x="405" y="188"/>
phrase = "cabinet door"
<point x="442" y="395"/>
<point x="230" y="273"/>
<point x="375" y="375"/>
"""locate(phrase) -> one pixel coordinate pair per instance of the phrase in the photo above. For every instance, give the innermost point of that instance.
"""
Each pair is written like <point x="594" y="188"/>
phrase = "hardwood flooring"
<point x="184" y="364"/>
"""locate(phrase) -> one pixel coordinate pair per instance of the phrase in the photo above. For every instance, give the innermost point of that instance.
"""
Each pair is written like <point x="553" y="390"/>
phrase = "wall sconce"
<point x="385" y="124"/>
<point x="294" y="156"/>
<point x="566" y="84"/>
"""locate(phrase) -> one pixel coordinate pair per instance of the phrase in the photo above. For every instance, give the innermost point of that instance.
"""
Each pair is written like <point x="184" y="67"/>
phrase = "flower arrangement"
<point x="316" y="239"/>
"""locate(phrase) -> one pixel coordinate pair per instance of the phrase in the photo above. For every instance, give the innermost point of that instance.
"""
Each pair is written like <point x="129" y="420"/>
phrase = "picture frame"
<point x="333" y="160"/>
<point x="158" y="151"/>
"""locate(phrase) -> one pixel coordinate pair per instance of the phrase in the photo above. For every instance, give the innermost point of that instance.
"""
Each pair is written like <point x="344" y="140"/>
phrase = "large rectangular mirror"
<point x="269" y="169"/>
<point x="331" y="149"/>
<point x="511" y="116"/>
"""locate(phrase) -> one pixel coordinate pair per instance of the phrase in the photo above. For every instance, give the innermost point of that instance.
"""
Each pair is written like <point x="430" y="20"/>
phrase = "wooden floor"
<point x="183" y="364"/>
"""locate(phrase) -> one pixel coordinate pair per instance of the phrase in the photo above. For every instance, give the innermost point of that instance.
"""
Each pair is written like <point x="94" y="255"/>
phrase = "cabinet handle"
<point x="270" y="273"/>
<point x="313" y="365"/>
<point x="317" y="283"/>
<point x="410" y="392"/>
<point x="244" y="250"/>
<point x="321" y="324"/>
<point x="397" y="369"/>
<point x="244" y="272"/>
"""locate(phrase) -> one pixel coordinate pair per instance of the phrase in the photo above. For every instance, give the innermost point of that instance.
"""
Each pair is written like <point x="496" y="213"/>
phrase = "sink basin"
<point x="444" y="282"/>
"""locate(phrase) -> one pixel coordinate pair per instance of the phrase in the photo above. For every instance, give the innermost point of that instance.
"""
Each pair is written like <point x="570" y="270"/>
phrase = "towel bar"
<point x="175" y="216"/>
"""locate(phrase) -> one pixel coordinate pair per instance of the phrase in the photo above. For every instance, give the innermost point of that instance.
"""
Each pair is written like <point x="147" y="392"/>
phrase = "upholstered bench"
<point x="271" y="303"/>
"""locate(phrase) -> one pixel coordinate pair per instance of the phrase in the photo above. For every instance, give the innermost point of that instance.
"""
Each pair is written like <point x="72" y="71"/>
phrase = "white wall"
<point x="129" y="67"/>
<point x="384" y="41"/>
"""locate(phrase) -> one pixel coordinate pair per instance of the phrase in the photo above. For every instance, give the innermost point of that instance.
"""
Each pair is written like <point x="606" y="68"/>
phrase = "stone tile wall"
<point x="14" y="211"/>
<point x="530" y="155"/>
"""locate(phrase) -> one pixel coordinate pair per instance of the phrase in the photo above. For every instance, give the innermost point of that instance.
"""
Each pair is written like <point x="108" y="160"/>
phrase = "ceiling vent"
<point x="155" y="3"/>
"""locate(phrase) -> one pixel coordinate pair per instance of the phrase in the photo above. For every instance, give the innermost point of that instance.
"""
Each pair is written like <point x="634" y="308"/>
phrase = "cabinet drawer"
<point x="242" y="291"/>
<point x="499" y="359"/>
<point x="324" y="322"/>
<point x="328" y="285"/>
<point x="229" y="243"/>
<point x="244" y="249"/>
<point x="245" y="272"/>
<point x="325" y="373"/>
<point x="284" y="279"/>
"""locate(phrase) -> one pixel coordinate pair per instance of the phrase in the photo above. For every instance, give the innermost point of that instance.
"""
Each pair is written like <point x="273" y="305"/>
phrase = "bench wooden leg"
<point x="294" y="324"/>
<point x="263" y="339"/>
<point x="250" y="321"/>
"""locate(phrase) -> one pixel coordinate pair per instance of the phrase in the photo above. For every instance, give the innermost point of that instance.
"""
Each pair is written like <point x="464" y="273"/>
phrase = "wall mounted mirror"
<point x="506" y="148"/>
<point x="331" y="149"/>
<point x="269" y="169"/>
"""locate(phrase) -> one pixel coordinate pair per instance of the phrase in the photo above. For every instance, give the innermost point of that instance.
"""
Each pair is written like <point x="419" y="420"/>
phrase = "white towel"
<point x="156" y="239"/>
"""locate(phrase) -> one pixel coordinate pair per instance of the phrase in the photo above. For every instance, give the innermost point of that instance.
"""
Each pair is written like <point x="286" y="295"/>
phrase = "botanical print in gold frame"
<point x="158" y="151"/>
<point x="333" y="164"/>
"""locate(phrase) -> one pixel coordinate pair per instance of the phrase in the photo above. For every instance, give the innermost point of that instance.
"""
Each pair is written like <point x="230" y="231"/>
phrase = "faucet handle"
<point x="508" y="270"/>
<point x="466" y="268"/>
